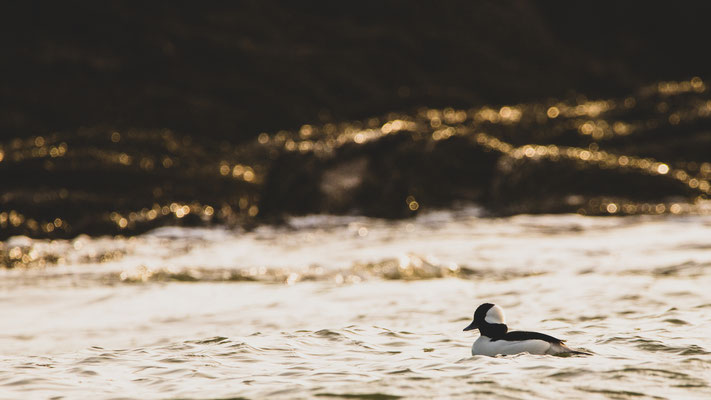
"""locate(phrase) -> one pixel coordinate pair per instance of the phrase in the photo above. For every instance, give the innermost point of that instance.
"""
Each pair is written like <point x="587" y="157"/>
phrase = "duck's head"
<point x="490" y="320"/>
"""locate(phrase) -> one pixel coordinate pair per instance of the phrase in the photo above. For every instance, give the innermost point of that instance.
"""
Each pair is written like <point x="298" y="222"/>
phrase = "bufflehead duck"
<point x="496" y="339"/>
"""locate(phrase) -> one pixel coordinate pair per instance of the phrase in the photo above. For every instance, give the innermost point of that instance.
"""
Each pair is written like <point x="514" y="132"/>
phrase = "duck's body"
<point x="495" y="338"/>
<point x="486" y="346"/>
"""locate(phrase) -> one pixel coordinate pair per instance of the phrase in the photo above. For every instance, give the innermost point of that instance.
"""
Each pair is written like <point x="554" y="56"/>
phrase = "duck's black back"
<point x="525" y="335"/>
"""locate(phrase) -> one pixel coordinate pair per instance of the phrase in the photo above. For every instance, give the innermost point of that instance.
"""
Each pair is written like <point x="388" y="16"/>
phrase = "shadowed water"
<point x="346" y="307"/>
<point x="645" y="153"/>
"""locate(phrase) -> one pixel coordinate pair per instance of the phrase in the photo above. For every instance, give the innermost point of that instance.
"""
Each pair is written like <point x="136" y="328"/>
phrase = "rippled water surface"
<point x="346" y="307"/>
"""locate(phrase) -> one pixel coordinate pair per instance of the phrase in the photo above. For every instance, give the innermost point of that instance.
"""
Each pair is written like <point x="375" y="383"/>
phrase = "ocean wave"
<point x="638" y="154"/>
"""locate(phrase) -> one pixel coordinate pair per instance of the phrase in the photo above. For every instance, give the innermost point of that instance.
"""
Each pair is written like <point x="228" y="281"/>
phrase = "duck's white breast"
<point x="483" y="346"/>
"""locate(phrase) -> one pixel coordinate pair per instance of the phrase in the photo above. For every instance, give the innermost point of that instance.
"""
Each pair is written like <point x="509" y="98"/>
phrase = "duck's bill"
<point x="470" y="327"/>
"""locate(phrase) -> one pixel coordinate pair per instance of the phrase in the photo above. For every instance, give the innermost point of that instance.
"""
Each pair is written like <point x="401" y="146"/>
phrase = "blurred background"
<point x="119" y="117"/>
<point x="300" y="199"/>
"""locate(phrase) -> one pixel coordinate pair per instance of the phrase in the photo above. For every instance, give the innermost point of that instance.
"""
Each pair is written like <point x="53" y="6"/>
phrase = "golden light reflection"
<point x="179" y="211"/>
<point x="306" y="146"/>
<point x="696" y="84"/>
<point x="396" y="126"/>
<point x="607" y="206"/>
<point x="553" y="112"/>
<point x="591" y="108"/>
<point x="505" y="112"/>
<point x="446" y="123"/>
<point x="443" y="134"/>
<point x="487" y="114"/>
<point x="306" y="131"/>
<point x="621" y="128"/>
<point x="601" y="158"/>
<point x="224" y="169"/>
<point x="253" y="211"/>
<point x="600" y="124"/>
<point x="146" y="163"/>
<point x="248" y="175"/>
<point x="412" y="203"/>
<point x="237" y="170"/>
<point x="125" y="159"/>
<point x="493" y="143"/>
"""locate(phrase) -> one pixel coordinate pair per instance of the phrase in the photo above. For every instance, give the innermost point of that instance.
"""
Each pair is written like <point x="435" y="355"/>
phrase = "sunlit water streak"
<point x="363" y="308"/>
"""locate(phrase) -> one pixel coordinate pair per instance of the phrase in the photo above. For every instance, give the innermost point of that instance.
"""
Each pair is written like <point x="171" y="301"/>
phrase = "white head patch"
<point x="495" y="315"/>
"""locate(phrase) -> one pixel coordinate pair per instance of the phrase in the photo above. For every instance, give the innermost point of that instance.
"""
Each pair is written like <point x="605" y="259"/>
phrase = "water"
<point x="644" y="153"/>
<point x="352" y="307"/>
